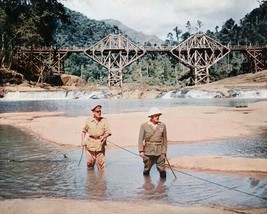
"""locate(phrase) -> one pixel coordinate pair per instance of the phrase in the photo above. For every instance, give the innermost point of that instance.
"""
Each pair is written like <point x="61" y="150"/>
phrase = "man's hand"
<point x="83" y="139"/>
<point x="142" y="154"/>
<point x="102" y="138"/>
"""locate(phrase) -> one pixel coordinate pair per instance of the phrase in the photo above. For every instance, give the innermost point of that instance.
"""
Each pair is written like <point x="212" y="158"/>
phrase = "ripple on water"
<point x="44" y="172"/>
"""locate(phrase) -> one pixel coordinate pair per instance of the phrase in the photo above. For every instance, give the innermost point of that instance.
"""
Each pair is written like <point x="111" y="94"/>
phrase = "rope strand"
<point x="221" y="185"/>
<point x="123" y="148"/>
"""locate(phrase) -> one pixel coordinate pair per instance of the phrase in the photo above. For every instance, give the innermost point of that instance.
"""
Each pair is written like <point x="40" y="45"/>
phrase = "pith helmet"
<point x="154" y="111"/>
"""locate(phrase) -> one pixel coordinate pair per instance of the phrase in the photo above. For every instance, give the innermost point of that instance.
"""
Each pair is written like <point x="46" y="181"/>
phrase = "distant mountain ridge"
<point x="138" y="37"/>
<point x="83" y="31"/>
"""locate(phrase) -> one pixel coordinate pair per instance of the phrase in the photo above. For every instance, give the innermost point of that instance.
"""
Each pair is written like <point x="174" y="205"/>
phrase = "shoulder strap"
<point x="148" y="139"/>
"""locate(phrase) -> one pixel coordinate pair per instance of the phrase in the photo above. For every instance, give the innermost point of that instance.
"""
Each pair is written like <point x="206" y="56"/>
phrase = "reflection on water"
<point x="96" y="184"/>
<point x="30" y="169"/>
<point x="154" y="191"/>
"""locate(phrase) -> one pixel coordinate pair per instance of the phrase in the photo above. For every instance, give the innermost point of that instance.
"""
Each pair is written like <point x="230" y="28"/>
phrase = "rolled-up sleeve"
<point x="107" y="129"/>
<point x="85" y="127"/>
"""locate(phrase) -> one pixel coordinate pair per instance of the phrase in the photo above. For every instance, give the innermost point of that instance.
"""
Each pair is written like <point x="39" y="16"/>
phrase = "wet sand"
<point x="185" y="124"/>
<point x="43" y="206"/>
<point x="221" y="164"/>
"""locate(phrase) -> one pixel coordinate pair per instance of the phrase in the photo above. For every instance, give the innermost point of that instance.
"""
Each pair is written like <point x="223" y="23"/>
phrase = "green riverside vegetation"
<point x="39" y="23"/>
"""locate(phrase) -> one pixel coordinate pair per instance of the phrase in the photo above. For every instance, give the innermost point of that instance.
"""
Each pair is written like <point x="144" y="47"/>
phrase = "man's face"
<point x="97" y="113"/>
<point x="155" y="118"/>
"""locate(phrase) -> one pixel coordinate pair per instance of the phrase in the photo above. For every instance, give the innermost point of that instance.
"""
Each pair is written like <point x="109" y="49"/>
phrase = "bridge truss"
<point x="115" y="52"/>
<point x="199" y="52"/>
<point x="255" y="56"/>
<point x="43" y="61"/>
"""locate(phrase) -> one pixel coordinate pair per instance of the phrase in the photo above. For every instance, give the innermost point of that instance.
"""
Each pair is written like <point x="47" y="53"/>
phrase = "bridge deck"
<point x="147" y="49"/>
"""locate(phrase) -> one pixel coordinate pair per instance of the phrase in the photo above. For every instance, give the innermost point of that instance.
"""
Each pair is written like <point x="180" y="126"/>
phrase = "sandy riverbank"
<point x="48" y="206"/>
<point x="186" y="124"/>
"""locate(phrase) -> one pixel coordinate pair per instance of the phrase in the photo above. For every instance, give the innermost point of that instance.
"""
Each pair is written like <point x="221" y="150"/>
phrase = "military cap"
<point x="97" y="106"/>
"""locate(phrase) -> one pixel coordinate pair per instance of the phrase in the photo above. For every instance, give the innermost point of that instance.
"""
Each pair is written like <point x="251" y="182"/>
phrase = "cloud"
<point x="159" y="17"/>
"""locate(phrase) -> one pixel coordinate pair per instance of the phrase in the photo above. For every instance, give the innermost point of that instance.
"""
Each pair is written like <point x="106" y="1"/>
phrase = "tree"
<point x="170" y="38"/>
<point x="185" y="36"/>
<point x="3" y="20"/>
<point x="227" y="33"/>
<point x="46" y="14"/>
<point x="217" y="29"/>
<point x="27" y="32"/>
<point x="27" y="23"/>
<point x="188" y="26"/>
<point x="177" y="33"/>
<point x="199" y="24"/>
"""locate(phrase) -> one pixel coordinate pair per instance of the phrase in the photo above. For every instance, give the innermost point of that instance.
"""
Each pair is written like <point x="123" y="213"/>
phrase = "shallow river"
<point x="31" y="168"/>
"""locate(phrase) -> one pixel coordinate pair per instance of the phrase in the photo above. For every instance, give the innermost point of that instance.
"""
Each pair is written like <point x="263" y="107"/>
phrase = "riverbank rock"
<point x="10" y="77"/>
<point x="2" y="93"/>
<point x="71" y="80"/>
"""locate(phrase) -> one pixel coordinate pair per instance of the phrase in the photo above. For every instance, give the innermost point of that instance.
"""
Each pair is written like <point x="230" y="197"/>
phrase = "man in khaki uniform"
<point x="94" y="137"/>
<point x="152" y="143"/>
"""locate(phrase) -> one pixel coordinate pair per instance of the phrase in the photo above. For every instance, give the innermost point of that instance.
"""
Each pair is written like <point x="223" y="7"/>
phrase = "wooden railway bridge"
<point x="199" y="52"/>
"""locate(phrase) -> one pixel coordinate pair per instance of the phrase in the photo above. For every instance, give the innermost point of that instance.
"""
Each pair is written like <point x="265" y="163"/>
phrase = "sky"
<point x="159" y="17"/>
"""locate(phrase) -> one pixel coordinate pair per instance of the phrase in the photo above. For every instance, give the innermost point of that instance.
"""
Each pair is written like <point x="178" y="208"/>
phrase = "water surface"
<point x="82" y="107"/>
<point x="31" y="168"/>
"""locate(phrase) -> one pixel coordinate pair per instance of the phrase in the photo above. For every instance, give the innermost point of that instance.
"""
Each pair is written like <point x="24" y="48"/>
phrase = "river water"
<point x="76" y="107"/>
<point x="32" y="168"/>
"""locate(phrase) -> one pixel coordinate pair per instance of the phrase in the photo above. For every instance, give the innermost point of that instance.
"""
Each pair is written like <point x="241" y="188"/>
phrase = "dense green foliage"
<point x="251" y="31"/>
<point x="80" y="31"/>
<point x="37" y="23"/>
<point x="27" y="23"/>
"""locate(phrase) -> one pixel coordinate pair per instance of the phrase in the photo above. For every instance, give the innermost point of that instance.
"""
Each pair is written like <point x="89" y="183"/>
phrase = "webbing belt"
<point x="154" y="142"/>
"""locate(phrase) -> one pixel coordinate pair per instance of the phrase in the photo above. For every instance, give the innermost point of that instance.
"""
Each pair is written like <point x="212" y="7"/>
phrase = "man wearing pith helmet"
<point x="94" y="137"/>
<point x="152" y="143"/>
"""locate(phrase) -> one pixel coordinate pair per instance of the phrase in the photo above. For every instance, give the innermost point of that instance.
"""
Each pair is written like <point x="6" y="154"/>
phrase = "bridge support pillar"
<point x="115" y="77"/>
<point x="115" y="52"/>
<point x="255" y="57"/>
<point x="200" y="75"/>
<point x="199" y="52"/>
<point x="42" y="62"/>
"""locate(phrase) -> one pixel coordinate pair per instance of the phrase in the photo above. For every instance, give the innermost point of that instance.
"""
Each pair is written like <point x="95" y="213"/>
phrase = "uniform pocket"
<point x="160" y="129"/>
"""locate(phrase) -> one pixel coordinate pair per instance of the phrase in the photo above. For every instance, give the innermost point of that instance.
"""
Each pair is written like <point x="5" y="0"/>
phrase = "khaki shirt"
<point x="152" y="141"/>
<point x="95" y="129"/>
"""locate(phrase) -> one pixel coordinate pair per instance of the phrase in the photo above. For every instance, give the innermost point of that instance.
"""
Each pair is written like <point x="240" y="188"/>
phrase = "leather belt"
<point x="95" y="137"/>
<point x="154" y="142"/>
